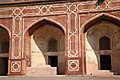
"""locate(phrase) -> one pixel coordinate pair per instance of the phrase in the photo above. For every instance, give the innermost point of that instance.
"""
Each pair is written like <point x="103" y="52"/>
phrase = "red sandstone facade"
<point x="74" y="18"/>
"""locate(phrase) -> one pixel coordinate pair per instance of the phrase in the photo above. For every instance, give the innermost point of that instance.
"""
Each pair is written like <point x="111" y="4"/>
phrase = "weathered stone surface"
<point x="41" y="70"/>
<point x="77" y="26"/>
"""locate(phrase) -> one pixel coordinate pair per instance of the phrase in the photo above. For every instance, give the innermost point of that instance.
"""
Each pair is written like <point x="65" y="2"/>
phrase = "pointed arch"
<point x="52" y="44"/>
<point x="9" y="35"/>
<point x="43" y="21"/>
<point x="101" y="17"/>
<point x="104" y="43"/>
<point x="4" y="27"/>
<point x="5" y="47"/>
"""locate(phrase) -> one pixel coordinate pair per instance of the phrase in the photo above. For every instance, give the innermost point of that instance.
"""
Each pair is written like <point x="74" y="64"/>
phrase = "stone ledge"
<point x="41" y="70"/>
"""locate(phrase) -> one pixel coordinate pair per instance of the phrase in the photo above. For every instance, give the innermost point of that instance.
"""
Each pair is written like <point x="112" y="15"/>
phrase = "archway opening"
<point x="102" y="48"/>
<point x="4" y="51"/>
<point x="105" y="62"/>
<point x="47" y="47"/>
<point x="53" y="61"/>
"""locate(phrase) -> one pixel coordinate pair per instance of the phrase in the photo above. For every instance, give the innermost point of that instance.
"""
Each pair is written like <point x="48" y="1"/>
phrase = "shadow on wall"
<point x="46" y="41"/>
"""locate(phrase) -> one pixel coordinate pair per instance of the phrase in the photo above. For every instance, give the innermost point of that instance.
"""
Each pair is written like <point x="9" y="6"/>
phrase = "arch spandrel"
<point x="48" y="20"/>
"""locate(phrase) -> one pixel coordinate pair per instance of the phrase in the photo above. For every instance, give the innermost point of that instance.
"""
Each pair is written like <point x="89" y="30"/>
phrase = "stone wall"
<point x="74" y="18"/>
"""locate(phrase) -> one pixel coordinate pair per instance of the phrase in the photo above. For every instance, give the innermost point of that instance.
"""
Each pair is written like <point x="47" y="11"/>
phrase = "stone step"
<point x="41" y="70"/>
<point x="103" y="73"/>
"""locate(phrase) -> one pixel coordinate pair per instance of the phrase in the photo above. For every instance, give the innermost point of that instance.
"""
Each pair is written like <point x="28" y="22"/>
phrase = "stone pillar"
<point x="83" y="53"/>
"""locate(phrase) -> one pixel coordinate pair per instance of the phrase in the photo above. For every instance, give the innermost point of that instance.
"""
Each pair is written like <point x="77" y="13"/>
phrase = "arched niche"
<point x="42" y="35"/>
<point x="4" y="51"/>
<point x="101" y="28"/>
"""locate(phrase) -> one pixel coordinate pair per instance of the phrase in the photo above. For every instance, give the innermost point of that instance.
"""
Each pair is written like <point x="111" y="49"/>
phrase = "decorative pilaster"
<point x="72" y="61"/>
<point x="17" y="59"/>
